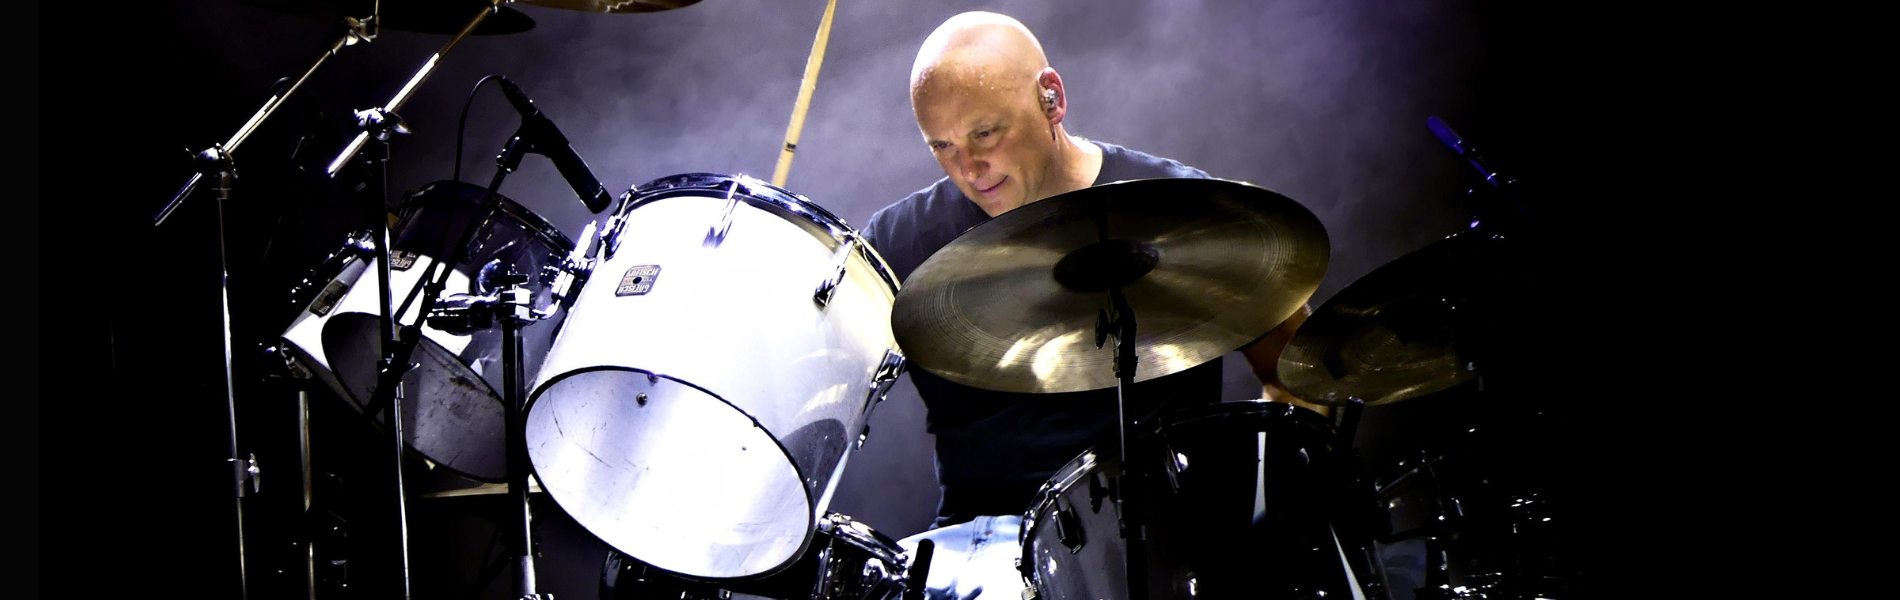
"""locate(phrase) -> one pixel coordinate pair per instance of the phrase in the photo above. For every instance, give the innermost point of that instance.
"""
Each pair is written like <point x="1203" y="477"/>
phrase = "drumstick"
<point x="804" y="97"/>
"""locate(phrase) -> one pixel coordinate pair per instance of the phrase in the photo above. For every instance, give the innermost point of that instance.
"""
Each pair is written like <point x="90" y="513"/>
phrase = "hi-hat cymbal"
<point x="613" y="6"/>
<point x="445" y="17"/>
<point x="1416" y="325"/>
<point x="1207" y="265"/>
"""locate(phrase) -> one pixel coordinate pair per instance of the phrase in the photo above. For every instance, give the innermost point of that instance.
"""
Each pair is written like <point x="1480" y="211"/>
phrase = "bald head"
<point x="991" y="110"/>
<point x="977" y="51"/>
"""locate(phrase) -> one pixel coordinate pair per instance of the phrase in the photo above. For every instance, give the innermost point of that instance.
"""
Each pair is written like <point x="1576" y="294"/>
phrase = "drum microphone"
<point x="547" y="140"/>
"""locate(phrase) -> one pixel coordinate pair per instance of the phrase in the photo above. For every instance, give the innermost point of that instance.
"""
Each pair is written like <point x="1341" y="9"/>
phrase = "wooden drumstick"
<point x="804" y="97"/>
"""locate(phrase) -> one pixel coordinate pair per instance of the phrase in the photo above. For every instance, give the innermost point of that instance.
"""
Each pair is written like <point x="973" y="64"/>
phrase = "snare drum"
<point x="847" y="560"/>
<point x="1235" y="502"/>
<point x="452" y="410"/>
<point x="712" y="375"/>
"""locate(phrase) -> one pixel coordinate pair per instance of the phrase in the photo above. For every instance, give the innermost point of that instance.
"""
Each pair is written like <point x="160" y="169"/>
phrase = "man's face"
<point x="991" y="140"/>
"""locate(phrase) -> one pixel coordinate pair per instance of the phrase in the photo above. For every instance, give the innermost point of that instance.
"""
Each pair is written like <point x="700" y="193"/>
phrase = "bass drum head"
<point x="592" y="438"/>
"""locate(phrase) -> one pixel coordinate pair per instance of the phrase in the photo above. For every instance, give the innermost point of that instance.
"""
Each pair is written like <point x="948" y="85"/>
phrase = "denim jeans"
<point x="973" y="559"/>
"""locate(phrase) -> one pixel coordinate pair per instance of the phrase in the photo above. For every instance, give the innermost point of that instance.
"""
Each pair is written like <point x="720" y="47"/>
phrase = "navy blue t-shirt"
<point x="995" y="448"/>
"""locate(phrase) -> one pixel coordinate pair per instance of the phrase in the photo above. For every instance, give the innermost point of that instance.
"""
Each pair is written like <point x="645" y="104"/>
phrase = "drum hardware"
<point x="1118" y="321"/>
<point x="822" y="295"/>
<point x="511" y="305"/>
<point x="917" y="577"/>
<point x="218" y="161"/>
<point x="716" y="234"/>
<point x="566" y="277"/>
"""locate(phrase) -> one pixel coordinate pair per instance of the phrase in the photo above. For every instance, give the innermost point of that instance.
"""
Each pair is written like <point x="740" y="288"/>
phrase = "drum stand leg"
<point x="513" y="306"/>
<point x="522" y="540"/>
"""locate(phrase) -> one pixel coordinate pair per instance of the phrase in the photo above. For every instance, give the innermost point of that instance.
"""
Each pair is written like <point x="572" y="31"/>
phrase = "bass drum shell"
<point x="698" y="406"/>
<point x="1234" y="501"/>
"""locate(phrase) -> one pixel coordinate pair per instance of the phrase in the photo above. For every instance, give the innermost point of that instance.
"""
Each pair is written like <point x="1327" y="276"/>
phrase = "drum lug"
<point x="1069" y="528"/>
<point x="610" y="233"/>
<point x="822" y="295"/>
<point x="570" y="273"/>
<point x="716" y="234"/>
<point x="827" y="573"/>
<point x="889" y="367"/>
<point x="1098" y="491"/>
<point x="1175" y="462"/>
<point x="1028" y="574"/>
<point x="883" y="377"/>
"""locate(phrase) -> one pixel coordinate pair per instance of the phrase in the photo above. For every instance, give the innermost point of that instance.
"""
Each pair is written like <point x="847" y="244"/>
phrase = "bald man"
<point x="991" y="110"/>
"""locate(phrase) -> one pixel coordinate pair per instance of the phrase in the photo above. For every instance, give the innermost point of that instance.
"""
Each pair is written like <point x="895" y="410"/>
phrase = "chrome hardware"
<point x="610" y="234"/>
<point x="822" y="296"/>
<point x="248" y="473"/>
<point x="882" y="378"/>
<point x="566" y="277"/>
<point x="717" y="234"/>
<point x="888" y="369"/>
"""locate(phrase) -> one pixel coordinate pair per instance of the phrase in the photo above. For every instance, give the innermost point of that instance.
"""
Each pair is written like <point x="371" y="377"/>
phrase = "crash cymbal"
<point x="445" y="17"/>
<point x="1416" y="325"/>
<point x="613" y="6"/>
<point x="1207" y="265"/>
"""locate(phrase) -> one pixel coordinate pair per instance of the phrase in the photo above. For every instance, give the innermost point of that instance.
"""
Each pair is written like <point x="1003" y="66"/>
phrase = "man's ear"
<point x="1054" y="99"/>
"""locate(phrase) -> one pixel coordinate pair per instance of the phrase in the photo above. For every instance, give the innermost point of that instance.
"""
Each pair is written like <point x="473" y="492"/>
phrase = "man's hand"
<point x="1263" y="355"/>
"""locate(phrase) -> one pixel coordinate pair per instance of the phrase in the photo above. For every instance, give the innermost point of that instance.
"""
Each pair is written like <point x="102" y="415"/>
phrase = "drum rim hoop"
<point x="764" y="192"/>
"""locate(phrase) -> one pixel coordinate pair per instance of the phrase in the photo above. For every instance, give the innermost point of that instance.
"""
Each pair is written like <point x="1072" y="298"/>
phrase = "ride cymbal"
<point x="1207" y="265"/>
<point x="1417" y="325"/>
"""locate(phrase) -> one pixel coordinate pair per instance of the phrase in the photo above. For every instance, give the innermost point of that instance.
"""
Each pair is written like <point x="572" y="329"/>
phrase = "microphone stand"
<point x="381" y="123"/>
<point x="217" y="161"/>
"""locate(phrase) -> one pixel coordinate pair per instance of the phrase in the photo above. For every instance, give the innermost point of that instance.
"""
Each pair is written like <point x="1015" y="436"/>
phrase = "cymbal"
<point x="1207" y="265"/>
<point x="445" y="17"/>
<point x="1416" y="325"/>
<point x="613" y="6"/>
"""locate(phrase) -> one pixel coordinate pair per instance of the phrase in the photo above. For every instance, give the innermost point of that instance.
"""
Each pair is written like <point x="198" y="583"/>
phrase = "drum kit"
<point x="689" y="380"/>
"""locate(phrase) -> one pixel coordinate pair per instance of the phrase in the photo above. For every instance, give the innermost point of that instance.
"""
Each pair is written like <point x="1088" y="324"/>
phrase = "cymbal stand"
<point x="217" y="161"/>
<point x="381" y="124"/>
<point x="1118" y="321"/>
<point x="217" y="158"/>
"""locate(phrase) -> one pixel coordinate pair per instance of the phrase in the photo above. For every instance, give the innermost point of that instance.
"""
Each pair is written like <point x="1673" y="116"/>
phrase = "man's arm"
<point x="1264" y="356"/>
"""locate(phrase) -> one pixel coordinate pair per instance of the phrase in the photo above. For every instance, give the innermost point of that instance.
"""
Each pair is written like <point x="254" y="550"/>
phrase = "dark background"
<point x="1324" y="102"/>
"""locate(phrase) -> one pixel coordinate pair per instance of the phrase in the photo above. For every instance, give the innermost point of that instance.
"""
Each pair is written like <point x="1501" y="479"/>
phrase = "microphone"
<point x="1457" y="144"/>
<point x="547" y="141"/>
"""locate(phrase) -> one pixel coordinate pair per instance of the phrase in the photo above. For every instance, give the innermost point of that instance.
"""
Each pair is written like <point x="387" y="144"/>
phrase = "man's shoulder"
<point x="1120" y="163"/>
<point x="912" y="206"/>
